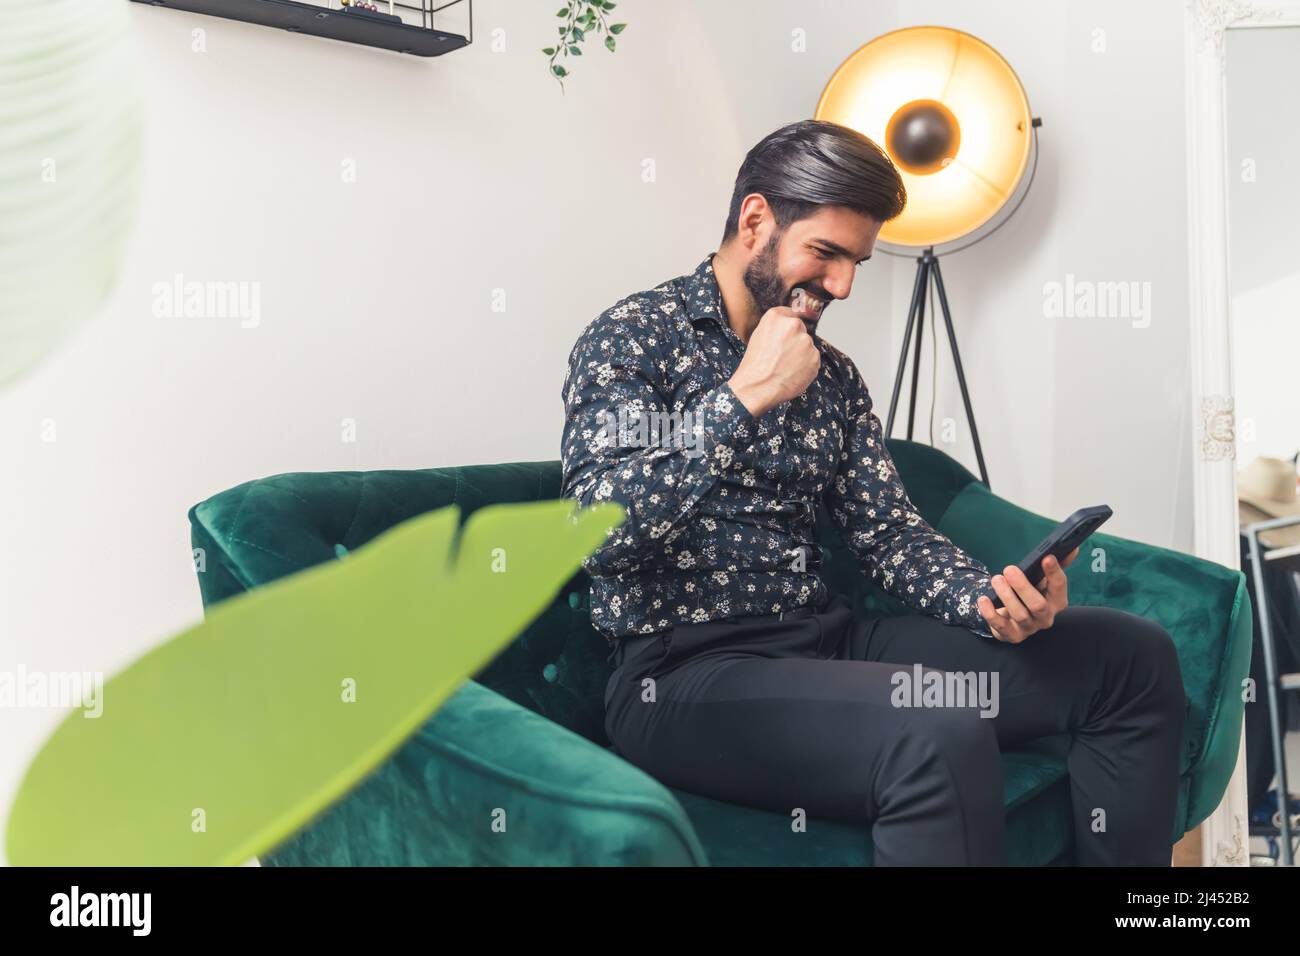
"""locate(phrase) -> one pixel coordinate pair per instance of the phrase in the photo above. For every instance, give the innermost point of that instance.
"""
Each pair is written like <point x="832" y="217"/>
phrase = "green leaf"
<point x="549" y="50"/>
<point x="578" y="34"/>
<point x="616" y="28"/>
<point x="563" y="13"/>
<point x="608" y="5"/>
<point x="575" y="49"/>
<point x="243" y="714"/>
<point x="563" y="30"/>
<point x="609" y="42"/>
<point x="559" y="70"/>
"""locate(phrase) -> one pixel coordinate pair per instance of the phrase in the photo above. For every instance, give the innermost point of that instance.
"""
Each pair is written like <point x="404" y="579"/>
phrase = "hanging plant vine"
<point x="580" y="18"/>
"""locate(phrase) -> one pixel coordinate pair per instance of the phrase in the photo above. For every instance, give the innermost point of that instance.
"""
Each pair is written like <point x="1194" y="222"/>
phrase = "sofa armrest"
<point x="488" y="782"/>
<point x="1203" y="605"/>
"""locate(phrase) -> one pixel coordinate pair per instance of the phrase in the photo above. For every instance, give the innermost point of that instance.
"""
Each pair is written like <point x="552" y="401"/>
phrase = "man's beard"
<point x="763" y="281"/>
<point x="765" y="285"/>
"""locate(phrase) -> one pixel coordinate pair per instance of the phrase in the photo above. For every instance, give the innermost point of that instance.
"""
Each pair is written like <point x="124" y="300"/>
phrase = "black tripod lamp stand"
<point x="927" y="272"/>
<point x="955" y="120"/>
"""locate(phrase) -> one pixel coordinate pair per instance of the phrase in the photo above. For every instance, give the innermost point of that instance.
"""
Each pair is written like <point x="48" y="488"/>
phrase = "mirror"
<point x="1263" y="206"/>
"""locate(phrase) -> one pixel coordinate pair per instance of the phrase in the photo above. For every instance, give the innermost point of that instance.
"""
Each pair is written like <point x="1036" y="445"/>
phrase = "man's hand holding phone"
<point x="1026" y="608"/>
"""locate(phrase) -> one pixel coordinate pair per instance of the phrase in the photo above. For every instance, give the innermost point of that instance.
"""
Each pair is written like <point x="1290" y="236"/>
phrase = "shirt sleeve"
<point x="901" y="553"/>
<point x="612" y="388"/>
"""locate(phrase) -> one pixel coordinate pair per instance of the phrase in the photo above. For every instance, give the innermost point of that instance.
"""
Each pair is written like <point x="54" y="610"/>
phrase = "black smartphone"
<point x="1065" y="537"/>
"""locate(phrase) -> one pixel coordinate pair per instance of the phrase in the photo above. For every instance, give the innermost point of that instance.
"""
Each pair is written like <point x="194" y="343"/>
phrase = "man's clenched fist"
<point x="780" y="361"/>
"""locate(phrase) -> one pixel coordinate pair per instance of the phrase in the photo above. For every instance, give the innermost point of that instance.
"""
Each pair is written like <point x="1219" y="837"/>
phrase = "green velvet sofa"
<point x="526" y="735"/>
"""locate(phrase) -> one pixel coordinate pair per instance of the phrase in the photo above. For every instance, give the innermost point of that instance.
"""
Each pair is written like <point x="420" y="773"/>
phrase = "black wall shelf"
<point x="319" y="20"/>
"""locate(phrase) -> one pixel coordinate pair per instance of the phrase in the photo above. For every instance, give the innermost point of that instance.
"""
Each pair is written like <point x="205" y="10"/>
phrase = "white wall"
<point x="475" y="174"/>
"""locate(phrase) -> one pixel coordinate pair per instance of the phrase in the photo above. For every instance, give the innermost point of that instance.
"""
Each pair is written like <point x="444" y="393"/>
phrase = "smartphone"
<point x="1065" y="537"/>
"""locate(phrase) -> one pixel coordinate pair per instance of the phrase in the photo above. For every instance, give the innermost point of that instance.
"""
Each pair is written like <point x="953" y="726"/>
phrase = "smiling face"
<point x="819" y="255"/>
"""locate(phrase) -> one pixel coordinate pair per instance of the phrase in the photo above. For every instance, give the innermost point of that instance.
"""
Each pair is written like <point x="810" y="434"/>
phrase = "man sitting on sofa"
<point x="736" y="675"/>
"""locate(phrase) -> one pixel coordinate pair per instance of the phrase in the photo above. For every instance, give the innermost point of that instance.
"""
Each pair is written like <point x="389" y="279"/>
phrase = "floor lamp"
<point x="954" y="118"/>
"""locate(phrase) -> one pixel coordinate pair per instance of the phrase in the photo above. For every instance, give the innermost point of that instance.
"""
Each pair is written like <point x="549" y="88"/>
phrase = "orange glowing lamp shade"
<point x="953" y="117"/>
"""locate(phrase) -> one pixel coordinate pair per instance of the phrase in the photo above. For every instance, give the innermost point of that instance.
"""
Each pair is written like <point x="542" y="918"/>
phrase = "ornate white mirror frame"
<point x="1224" y="834"/>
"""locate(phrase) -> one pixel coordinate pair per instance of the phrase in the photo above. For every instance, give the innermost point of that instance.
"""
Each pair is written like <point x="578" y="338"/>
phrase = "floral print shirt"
<point x="721" y="506"/>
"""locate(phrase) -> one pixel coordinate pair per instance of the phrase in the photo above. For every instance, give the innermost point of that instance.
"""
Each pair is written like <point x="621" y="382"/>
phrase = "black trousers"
<point x="823" y="711"/>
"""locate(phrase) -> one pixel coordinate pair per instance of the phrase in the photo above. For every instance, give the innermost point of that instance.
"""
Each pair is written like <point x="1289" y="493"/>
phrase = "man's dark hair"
<point x="817" y="163"/>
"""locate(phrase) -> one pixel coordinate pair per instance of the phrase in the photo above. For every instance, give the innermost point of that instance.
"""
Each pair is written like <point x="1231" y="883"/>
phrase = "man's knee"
<point x="1134" y="640"/>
